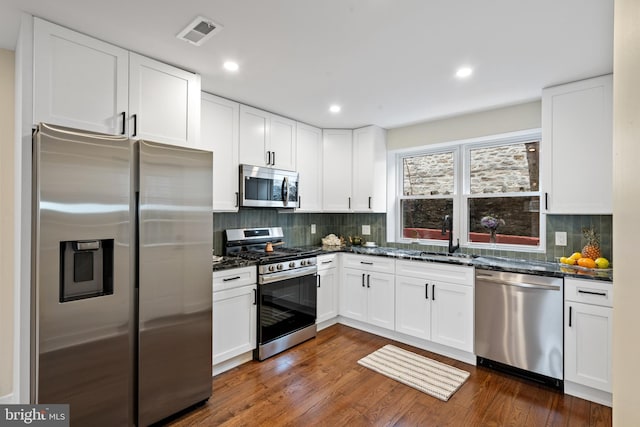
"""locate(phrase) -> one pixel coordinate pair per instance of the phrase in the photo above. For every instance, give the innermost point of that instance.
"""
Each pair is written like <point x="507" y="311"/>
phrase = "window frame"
<point x="461" y="193"/>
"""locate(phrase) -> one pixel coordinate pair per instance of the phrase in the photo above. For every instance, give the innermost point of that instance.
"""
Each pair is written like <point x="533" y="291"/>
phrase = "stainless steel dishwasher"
<point x="519" y="326"/>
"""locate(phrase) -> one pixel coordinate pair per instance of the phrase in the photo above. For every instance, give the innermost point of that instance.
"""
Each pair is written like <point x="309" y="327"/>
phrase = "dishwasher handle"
<point x="492" y="279"/>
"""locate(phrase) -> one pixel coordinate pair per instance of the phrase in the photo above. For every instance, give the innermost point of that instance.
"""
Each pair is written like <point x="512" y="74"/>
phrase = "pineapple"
<point x="592" y="248"/>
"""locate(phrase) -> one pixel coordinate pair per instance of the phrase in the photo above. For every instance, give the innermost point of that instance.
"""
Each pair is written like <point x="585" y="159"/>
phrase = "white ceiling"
<point x="387" y="62"/>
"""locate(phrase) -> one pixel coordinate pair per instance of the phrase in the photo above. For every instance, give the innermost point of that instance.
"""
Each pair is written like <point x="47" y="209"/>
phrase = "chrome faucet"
<point x="448" y="223"/>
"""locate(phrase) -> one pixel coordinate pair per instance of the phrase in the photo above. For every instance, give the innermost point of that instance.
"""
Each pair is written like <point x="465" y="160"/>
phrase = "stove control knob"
<point x="292" y="264"/>
<point x="271" y="268"/>
<point x="279" y="267"/>
<point x="303" y="263"/>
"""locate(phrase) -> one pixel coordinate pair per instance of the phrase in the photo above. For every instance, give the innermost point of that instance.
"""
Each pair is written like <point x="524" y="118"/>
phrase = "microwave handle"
<point x="285" y="191"/>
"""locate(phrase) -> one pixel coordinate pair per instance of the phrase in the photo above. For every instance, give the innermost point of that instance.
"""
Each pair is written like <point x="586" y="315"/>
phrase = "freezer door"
<point x="82" y="299"/>
<point x="175" y="292"/>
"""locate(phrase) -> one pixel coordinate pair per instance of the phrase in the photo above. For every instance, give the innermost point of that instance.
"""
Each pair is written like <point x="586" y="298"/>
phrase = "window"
<point x="489" y="187"/>
<point x="428" y="186"/>
<point x="503" y="189"/>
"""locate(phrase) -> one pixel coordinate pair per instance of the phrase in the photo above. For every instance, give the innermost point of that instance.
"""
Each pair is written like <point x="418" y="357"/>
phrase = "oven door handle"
<point x="288" y="274"/>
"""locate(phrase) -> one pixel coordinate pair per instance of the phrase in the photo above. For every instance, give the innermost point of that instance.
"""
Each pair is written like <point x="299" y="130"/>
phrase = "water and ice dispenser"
<point x="86" y="269"/>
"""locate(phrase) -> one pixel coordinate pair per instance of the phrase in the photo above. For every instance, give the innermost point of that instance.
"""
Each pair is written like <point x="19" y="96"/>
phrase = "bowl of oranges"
<point x="577" y="259"/>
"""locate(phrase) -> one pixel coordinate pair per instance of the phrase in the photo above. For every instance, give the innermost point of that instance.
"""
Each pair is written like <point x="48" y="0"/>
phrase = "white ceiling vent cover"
<point x="199" y="31"/>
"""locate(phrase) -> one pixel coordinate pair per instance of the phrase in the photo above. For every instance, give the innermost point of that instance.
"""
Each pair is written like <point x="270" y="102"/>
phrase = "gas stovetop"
<point x="277" y="255"/>
<point x="250" y="243"/>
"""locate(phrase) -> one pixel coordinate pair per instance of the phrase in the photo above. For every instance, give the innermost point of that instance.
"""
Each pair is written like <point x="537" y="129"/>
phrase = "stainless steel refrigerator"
<point x="121" y="276"/>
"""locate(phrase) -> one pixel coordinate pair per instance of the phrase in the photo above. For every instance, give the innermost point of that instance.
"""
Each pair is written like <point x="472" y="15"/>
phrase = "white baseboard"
<point x="325" y="324"/>
<point x="232" y="363"/>
<point x="443" y="350"/>
<point x="588" y="393"/>
<point x="7" y="399"/>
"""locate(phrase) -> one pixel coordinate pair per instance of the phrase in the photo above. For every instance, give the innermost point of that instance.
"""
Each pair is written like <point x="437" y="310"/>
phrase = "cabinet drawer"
<point x="588" y="291"/>
<point x="435" y="271"/>
<point x="229" y="279"/>
<point x="326" y="262"/>
<point x="370" y="263"/>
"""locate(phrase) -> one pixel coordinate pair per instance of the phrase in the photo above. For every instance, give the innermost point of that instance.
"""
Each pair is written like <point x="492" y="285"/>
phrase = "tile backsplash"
<point x="572" y="225"/>
<point x="297" y="226"/>
<point x="297" y="230"/>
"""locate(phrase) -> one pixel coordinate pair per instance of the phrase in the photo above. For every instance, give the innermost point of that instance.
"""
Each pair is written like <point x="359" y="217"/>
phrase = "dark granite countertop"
<point x="232" y="262"/>
<point x="541" y="268"/>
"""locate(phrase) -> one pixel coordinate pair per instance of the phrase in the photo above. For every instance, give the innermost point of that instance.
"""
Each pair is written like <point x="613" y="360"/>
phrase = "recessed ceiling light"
<point x="231" y="66"/>
<point x="464" y="72"/>
<point x="335" y="108"/>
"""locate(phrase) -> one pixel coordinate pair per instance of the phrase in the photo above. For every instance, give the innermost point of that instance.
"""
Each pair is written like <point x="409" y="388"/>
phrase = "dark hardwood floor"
<point x="319" y="383"/>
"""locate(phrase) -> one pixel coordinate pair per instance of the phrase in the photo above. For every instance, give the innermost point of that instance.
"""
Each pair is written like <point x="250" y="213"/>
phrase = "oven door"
<point x="286" y="306"/>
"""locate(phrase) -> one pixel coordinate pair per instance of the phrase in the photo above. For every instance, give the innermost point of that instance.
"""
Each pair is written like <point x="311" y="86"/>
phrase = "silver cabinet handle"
<point x="327" y="262"/>
<point x="366" y="263"/>
<point x="228" y="279"/>
<point x="368" y="280"/>
<point x="363" y="279"/>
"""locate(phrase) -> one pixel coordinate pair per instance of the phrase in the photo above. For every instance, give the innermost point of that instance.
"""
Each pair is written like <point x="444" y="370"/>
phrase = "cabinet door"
<point x="327" y="294"/>
<point x="452" y="315"/>
<point x="164" y="103"/>
<point x="380" y="300"/>
<point x="336" y="170"/>
<point x="234" y="322"/>
<point x="309" y="166"/>
<point x="254" y="136"/>
<point x="588" y="342"/>
<point x="79" y="82"/>
<point x="282" y="143"/>
<point x="219" y="133"/>
<point x="413" y="307"/>
<point x="369" y="170"/>
<point x="577" y="142"/>
<point x="353" y="294"/>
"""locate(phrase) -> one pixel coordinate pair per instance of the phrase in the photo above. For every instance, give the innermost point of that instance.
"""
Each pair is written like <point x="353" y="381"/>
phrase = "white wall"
<point x="492" y="122"/>
<point x="626" y="212"/>
<point x="7" y="64"/>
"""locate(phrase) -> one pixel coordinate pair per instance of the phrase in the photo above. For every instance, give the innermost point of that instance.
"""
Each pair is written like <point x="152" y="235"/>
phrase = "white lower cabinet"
<point x="234" y="322"/>
<point x="234" y="315"/>
<point x="435" y="302"/>
<point x="327" y="302"/>
<point x="367" y="294"/>
<point x="588" y="314"/>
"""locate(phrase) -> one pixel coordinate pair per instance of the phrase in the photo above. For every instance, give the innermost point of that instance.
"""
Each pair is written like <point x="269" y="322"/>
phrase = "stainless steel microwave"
<point x="262" y="187"/>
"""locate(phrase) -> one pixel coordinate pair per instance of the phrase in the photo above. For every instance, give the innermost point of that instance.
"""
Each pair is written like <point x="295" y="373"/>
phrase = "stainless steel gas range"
<point x="287" y="279"/>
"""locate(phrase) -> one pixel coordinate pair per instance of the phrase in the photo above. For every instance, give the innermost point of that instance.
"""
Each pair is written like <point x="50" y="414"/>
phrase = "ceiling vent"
<point x="199" y="31"/>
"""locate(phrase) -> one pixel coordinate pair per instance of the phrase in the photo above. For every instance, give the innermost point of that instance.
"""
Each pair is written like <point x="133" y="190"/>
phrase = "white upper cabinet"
<point x="254" y="136"/>
<point x="309" y="162"/>
<point x="282" y="143"/>
<point x="219" y="133"/>
<point x="369" y="170"/>
<point x="337" y="161"/>
<point x="79" y="82"/>
<point x="577" y="147"/>
<point x="164" y="102"/>
<point x="84" y="83"/>
<point x="267" y="139"/>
